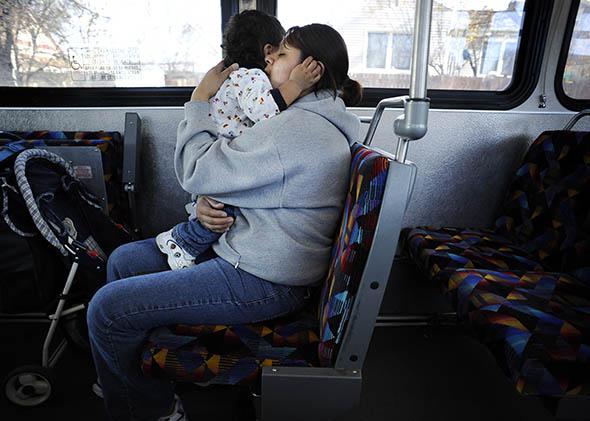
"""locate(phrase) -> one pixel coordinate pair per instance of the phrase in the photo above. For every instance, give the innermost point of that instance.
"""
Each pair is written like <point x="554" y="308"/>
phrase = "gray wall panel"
<point x="464" y="162"/>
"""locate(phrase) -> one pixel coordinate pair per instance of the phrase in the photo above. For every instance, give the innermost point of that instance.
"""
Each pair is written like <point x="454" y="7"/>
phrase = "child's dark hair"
<point x="245" y="36"/>
<point x="325" y="44"/>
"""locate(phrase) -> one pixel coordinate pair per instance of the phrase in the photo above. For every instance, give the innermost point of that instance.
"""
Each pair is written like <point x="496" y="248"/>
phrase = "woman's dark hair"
<point x="325" y="44"/>
<point x="245" y="36"/>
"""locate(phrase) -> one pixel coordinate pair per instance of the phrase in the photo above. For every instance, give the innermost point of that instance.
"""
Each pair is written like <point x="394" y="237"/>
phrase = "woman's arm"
<point x="211" y="215"/>
<point x="212" y="81"/>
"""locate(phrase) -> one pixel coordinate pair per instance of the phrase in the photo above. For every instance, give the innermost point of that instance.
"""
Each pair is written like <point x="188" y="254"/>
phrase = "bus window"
<point x="473" y="43"/>
<point x="576" y="75"/>
<point x="108" y="43"/>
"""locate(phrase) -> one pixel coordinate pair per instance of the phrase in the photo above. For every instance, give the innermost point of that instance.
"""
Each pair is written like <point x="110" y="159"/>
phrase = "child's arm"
<point x="260" y="101"/>
<point x="303" y="76"/>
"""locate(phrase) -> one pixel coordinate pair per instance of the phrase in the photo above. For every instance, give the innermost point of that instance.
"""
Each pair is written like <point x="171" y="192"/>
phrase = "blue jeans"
<point x="142" y="293"/>
<point x="194" y="238"/>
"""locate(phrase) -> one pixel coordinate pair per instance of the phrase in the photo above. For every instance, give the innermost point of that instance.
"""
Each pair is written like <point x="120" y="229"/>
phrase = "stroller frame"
<point x="47" y="360"/>
<point x="31" y="385"/>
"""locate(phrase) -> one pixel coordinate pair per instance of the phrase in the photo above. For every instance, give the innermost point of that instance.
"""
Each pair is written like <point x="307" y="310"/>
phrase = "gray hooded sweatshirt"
<point x="288" y="175"/>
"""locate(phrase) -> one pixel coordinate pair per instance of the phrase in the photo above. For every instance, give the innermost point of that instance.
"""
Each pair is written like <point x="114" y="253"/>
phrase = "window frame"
<point x="524" y="79"/>
<point x="568" y="102"/>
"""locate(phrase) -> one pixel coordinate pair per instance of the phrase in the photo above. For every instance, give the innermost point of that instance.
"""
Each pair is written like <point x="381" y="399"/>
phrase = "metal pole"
<point x="412" y="125"/>
<point x="383" y="104"/>
<point x="419" y="66"/>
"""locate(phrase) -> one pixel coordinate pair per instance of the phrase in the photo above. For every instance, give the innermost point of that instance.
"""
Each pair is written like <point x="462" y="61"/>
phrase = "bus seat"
<point x="542" y="221"/>
<point x="119" y="155"/>
<point x="536" y="324"/>
<point x="317" y="344"/>
<point x="525" y="284"/>
<point x="110" y="145"/>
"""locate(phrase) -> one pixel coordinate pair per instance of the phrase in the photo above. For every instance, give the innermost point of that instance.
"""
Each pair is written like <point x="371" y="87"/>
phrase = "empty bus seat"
<point x="537" y="325"/>
<point x="441" y="251"/>
<point x="525" y="284"/>
<point x="236" y="354"/>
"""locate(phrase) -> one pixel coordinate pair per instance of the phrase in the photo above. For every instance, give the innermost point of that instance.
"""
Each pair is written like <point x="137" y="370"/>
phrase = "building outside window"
<point x="388" y="50"/>
<point x="377" y="50"/>
<point x="379" y="34"/>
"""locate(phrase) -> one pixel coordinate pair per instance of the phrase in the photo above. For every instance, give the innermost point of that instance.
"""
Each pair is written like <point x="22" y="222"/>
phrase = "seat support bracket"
<point x="309" y="393"/>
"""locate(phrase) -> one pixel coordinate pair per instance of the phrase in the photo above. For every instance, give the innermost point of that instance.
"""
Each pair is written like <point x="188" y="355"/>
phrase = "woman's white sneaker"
<point x="178" y="258"/>
<point x="178" y="413"/>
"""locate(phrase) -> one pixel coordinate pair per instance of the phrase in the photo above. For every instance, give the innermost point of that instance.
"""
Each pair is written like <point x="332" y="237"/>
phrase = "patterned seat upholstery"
<point x="525" y="285"/>
<point x="546" y="209"/>
<point x="537" y="324"/>
<point x="221" y="354"/>
<point x="544" y="222"/>
<point x="236" y="354"/>
<point x="440" y="252"/>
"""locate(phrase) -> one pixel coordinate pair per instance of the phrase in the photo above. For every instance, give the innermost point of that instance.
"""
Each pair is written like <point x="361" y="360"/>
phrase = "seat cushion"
<point x="222" y="354"/>
<point x="439" y="252"/>
<point x="537" y="325"/>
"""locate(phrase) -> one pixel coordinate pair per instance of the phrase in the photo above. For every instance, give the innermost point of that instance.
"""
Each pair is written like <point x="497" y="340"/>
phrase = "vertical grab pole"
<point x="412" y="125"/>
<point x="420" y="49"/>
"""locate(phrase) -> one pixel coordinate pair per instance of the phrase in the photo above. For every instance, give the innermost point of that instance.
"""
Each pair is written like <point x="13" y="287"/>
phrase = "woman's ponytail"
<point x="351" y="92"/>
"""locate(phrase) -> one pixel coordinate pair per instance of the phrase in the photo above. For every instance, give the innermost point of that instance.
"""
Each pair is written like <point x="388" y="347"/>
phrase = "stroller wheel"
<point x="29" y="385"/>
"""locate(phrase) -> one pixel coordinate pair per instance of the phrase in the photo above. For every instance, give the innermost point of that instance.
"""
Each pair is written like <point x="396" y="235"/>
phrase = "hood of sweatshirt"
<point x="333" y="110"/>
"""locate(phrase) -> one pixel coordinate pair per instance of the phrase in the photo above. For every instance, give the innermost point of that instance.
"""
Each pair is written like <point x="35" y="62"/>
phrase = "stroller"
<point x="69" y="236"/>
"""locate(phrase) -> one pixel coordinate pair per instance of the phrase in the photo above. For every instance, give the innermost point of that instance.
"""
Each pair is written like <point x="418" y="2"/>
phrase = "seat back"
<point x="546" y="208"/>
<point x="352" y="248"/>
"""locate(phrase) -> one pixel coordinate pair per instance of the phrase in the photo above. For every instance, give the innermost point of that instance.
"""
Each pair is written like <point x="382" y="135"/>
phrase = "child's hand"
<point x="307" y="73"/>
<point x="212" y="81"/>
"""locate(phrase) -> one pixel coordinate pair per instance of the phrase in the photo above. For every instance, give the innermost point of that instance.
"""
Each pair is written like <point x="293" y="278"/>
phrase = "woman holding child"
<point x="284" y="180"/>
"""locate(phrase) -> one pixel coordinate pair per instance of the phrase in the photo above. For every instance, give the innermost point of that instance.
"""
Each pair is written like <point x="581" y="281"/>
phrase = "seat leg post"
<point x="309" y="393"/>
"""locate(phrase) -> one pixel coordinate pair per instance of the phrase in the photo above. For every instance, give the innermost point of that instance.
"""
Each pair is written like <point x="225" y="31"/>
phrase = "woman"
<point x="288" y="176"/>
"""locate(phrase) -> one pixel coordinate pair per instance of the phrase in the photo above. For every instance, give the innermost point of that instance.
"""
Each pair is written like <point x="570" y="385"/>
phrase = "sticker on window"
<point x="104" y="64"/>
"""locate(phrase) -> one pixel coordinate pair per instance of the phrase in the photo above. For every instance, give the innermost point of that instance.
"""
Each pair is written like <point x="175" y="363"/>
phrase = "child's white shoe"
<point x="178" y="258"/>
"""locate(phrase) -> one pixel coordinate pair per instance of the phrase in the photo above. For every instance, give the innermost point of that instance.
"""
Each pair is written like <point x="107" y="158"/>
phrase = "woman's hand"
<point x="307" y="73"/>
<point x="212" y="81"/>
<point x="210" y="214"/>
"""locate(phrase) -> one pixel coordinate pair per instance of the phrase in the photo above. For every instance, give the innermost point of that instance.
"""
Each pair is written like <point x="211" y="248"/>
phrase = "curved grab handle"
<point x="575" y="119"/>
<point x="383" y="104"/>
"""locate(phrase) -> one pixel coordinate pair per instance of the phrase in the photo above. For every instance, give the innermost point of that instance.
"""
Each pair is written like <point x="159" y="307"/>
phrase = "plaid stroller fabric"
<point x="110" y="145"/>
<point x="43" y="196"/>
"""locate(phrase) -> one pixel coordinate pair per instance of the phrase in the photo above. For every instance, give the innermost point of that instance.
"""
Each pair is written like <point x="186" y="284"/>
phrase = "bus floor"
<point x="411" y="373"/>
